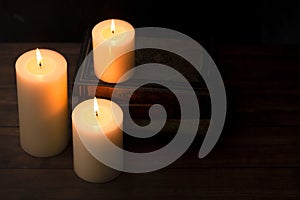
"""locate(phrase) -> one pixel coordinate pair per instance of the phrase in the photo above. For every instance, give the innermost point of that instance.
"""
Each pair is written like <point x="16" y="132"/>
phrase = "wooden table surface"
<point x="257" y="156"/>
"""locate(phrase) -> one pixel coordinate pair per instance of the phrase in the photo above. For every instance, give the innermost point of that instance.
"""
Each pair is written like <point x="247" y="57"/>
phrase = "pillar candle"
<point x="106" y="121"/>
<point x="112" y="39"/>
<point x="42" y="102"/>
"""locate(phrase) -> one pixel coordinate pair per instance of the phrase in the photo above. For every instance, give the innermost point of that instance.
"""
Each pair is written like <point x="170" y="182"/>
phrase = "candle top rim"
<point x="56" y="61"/>
<point x="88" y="106"/>
<point x="128" y="30"/>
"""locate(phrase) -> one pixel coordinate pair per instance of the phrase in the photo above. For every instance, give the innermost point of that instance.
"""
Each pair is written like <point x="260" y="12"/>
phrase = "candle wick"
<point x="113" y="31"/>
<point x="97" y="114"/>
<point x="40" y="64"/>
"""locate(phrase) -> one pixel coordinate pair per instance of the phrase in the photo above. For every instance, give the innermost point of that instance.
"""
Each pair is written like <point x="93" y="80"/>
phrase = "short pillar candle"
<point x="93" y="120"/>
<point x="113" y="50"/>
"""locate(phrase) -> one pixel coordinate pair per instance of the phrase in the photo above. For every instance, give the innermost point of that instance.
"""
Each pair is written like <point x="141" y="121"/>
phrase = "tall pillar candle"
<point x="92" y="124"/>
<point x="43" y="102"/>
<point x="113" y="50"/>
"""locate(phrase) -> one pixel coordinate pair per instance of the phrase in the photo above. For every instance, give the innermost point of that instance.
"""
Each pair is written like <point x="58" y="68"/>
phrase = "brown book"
<point x="87" y="85"/>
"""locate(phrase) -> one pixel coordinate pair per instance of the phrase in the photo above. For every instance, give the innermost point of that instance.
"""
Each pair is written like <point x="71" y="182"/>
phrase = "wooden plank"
<point x="260" y="110"/>
<point x="257" y="156"/>
<point x="13" y="156"/>
<point x="251" y="107"/>
<point x="211" y="183"/>
<point x="248" y="147"/>
<point x="237" y="147"/>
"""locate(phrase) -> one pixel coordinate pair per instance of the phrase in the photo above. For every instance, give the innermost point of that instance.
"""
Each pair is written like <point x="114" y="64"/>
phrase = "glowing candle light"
<point x="43" y="102"/>
<point x="94" y="119"/>
<point x="112" y="40"/>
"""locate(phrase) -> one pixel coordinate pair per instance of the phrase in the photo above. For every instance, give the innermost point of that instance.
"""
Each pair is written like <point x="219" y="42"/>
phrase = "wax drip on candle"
<point x="96" y="108"/>
<point x="39" y="58"/>
<point x="112" y="26"/>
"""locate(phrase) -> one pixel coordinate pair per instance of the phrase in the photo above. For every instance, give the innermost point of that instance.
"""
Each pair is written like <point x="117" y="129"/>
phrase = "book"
<point x="87" y="85"/>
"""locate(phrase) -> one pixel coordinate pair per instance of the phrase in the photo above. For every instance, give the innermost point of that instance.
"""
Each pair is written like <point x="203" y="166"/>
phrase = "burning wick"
<point x="112" y="26"/>
<point x="39" y="58"/>
<point x="96" y="108"/>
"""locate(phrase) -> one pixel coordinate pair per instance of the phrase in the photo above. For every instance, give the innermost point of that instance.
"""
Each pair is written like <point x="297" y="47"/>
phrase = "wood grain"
<point x="238" y="147"/>
<point x="214" y="183"/>
<point x="257" y="156"/>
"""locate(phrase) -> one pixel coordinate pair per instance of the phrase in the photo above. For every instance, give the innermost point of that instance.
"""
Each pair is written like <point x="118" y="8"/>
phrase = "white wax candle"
<point x="42" y="102"/>
<point x="111" y="40"/>
<point x="85" y="123"/>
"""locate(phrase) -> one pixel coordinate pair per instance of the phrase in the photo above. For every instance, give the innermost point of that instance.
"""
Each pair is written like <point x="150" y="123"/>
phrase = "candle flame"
<point x="96" y="108"/>
<point x="39" y="58"/>
<point x="112" y="26"/>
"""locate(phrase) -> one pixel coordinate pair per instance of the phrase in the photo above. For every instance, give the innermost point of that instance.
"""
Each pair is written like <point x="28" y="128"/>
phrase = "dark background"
<point x="259" y="22"/>
<point x="257" y="52"/>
